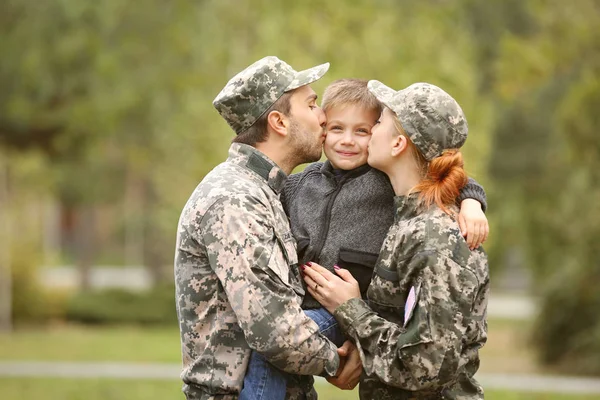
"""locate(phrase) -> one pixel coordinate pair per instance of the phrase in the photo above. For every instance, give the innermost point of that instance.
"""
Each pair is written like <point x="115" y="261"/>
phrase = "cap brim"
<point x="308" y="76"/>
<point x="383" y="93"/>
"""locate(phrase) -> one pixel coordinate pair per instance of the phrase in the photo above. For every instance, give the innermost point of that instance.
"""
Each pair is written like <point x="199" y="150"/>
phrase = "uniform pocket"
<point x="360" y="264"/>
<point x="288" y="245"/>
<point x="292" y="275"/>
<point x="397" y="305"/>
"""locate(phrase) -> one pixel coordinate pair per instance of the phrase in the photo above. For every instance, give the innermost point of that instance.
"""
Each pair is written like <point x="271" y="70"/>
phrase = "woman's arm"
<point x="423" y="350"/>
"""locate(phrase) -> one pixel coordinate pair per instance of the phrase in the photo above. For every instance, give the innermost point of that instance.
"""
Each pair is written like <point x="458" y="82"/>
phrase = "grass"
<point x="78" y="343"/>
<point x="508" y="351"/>
<point x="112" y="389"/>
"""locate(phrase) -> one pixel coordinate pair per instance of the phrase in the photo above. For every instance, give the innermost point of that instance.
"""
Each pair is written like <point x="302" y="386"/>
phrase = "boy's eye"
<point x="335" y="128"/>
<point x="363" y="131"/>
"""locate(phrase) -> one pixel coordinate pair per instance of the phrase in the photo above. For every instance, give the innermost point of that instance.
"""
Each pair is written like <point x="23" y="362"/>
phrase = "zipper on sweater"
<point x="326" y="218"/>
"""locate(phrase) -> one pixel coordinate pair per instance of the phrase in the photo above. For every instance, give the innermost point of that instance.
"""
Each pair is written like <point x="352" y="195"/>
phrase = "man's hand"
<point x="348" y="374"/>
<point x="473" y="223"/>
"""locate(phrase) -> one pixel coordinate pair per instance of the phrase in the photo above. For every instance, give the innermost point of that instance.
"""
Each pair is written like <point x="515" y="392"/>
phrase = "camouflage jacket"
<point x="425" y="320"/>
<point x="238" y="286"/>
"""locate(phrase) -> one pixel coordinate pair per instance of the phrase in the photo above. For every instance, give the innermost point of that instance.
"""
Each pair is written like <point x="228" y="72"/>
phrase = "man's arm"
<point x="250" y="262"/>
<point x="424" y="353"/>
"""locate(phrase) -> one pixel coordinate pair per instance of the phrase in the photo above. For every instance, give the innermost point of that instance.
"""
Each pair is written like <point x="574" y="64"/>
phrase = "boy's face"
<point x="348" y="135"/>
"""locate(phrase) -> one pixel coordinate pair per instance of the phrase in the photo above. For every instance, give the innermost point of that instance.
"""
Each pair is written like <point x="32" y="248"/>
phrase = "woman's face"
<point x="382" y="136"/>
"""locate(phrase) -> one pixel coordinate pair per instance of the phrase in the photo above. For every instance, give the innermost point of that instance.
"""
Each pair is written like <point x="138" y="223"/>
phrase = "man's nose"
<point x="322" y="117"/>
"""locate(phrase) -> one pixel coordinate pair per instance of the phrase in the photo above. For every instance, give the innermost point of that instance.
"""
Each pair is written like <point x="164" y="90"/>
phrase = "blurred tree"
<point x="544" y="163"/>
<point x="6" y="285"/>
<point x="117" y="97"/>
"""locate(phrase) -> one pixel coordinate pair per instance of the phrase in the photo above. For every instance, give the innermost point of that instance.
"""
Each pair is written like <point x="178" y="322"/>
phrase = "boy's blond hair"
<point x="345" y="92"/>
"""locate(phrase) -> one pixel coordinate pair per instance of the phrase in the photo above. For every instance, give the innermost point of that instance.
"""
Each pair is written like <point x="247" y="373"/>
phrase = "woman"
<point x="420" y="331"/>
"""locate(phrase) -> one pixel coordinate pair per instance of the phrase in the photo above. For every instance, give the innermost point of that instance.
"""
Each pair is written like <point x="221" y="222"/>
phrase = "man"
<point x="238" y="286"/>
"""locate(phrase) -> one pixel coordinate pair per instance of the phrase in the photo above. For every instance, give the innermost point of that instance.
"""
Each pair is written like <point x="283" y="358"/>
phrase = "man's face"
<point x="348" y="135"/>
<point x="307" y="131"/>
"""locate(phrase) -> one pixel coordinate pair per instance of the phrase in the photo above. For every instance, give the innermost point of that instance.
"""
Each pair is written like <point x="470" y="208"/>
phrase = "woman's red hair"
<point x="445" y="177"/>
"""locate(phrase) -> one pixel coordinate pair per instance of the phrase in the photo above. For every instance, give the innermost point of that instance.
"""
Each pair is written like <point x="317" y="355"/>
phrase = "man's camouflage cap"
<point x="431" y="118"/>
<point x="251" y="92"/>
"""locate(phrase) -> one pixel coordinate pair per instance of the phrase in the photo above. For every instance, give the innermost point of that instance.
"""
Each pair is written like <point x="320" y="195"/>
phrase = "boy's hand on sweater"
<point x="473" y="223"/>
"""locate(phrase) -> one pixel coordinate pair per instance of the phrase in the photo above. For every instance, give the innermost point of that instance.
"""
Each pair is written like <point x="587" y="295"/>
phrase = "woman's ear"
<point x="278" y="122"/>
<point x="399" y="144"/>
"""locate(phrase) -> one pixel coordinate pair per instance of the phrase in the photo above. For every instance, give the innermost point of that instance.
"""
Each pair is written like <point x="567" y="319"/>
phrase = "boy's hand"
<point x="473" y="223"/>
<point x="349" y="373"/>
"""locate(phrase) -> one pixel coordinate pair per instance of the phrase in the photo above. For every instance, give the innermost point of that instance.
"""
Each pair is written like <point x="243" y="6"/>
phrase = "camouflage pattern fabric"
<point x="431" y="118"/>
<point x="251" y="92"/>
<point x="238" y="287"/>
<point x="425" y="347"/>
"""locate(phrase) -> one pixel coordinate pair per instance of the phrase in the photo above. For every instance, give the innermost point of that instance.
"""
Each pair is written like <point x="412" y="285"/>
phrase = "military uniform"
<point x="429" y="351"/>
<point x="425" y="320"/>
<point x="238" y="286"/>
<point x="237" y="280"/>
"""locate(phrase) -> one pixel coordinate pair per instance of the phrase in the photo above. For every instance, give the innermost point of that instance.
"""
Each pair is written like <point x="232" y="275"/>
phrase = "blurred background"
<point x="106" y="127"/>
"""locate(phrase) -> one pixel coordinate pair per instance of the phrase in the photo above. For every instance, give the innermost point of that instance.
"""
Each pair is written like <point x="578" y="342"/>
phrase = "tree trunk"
<point x="5" y="269"/>
<point x="133" y="210"/>
<point x="86" y="229"/>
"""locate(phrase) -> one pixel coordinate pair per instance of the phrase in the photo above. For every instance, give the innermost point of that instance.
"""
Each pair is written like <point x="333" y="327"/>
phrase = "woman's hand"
<point x="473" y="223"/>
<point x="328" y="289"/>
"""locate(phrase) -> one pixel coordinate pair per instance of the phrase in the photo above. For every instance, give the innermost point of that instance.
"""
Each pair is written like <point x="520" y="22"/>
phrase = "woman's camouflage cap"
<point x="251" y="92"/>
<point x="431" y="118"/>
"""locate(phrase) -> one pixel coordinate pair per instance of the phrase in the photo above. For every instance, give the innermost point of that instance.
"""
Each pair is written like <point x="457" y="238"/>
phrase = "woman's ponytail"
<point x="444" y="179"/>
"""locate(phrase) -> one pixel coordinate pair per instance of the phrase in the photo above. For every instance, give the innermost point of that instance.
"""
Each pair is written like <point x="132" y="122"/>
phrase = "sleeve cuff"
<point x="331" y="366"/>
<point x="349" y="313"/>
<point x="473" y="190"/>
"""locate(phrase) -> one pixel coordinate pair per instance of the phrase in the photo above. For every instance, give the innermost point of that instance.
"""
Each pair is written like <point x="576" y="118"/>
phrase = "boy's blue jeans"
<point x="265" y="382"/>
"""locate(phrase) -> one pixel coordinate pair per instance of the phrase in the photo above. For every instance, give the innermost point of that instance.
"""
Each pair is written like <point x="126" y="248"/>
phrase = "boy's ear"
<point x="278" y="122"/>
<point x="399" y="144"/>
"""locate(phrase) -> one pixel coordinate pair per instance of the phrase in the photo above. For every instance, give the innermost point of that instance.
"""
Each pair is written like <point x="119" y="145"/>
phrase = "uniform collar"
<point x="406" y="206"/>
<point x="252" y="159"/>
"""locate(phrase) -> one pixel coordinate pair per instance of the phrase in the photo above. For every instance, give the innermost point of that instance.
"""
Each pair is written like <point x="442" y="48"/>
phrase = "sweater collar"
<point x="328" y="170"/>
<point x="250" y="158"/>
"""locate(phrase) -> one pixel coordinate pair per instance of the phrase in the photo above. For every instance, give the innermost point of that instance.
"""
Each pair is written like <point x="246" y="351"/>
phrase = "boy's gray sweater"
<point x="342" y="217"/>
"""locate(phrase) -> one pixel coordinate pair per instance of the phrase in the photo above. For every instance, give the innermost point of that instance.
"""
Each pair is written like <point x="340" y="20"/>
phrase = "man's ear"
<point x="399" y="144"/>
<point x="278" y="122"/>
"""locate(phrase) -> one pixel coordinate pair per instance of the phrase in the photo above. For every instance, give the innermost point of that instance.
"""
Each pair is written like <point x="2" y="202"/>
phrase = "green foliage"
<point x="117" y="306"/>
<point x="546" y="160"/>
<point x="568" y="329"/>
<point x="31" y="302"/>
<point x="113" y="103"/>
